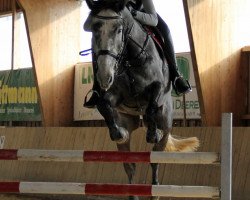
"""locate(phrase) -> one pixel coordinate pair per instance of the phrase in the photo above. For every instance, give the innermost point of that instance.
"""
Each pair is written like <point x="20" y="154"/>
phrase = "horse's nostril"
<point x="110" y="80"/>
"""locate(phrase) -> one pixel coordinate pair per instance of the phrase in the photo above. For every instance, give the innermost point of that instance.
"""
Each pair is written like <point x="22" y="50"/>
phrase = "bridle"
<point x="119" y="57"/>
<point x="126" y="36"/>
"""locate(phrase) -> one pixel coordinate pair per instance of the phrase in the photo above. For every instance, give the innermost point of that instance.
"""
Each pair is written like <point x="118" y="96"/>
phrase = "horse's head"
<point x="107" y="26"/>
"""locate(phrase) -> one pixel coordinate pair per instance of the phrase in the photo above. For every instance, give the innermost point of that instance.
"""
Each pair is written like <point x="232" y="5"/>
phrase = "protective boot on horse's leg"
<point x="153" y="134"/>
<point x="92" y="102"/>
<point x="180" y="85"/>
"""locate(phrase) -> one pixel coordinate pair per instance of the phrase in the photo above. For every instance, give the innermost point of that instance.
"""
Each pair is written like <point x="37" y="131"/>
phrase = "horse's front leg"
<point x="106" y="108"/>
<point x="153" y="134"/>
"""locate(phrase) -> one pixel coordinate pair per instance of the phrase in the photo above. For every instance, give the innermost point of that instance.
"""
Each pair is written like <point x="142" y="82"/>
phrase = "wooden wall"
<point x="54" y="31"/>
<point x="98" y="139"/>
<point x="6" y="7"/>
<point x="218" y="31"/>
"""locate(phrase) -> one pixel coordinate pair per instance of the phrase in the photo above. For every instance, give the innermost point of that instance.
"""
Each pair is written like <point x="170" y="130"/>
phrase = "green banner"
<point x="18" y="96"/>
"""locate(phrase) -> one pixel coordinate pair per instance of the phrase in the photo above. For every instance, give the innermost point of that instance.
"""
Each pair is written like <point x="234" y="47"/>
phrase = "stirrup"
<point x="176" y="89"/>
<point x="91" y="91"/>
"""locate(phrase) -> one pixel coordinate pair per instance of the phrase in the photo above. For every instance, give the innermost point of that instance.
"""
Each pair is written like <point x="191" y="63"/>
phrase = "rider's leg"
<point x="92" y="102"/>
<point x="180" y="85"/>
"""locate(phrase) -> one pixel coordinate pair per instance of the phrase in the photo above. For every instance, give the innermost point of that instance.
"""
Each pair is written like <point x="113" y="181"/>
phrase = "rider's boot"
<point x="180" y="85"/>
<point x="92" y="102"/>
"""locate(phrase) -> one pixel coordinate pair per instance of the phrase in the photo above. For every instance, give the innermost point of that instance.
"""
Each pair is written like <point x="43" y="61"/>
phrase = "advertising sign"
<point x="192" y="106"/>
<point x="83" y="84"/>
<point x="84" y="81"/>
<point x="18" y="96"/>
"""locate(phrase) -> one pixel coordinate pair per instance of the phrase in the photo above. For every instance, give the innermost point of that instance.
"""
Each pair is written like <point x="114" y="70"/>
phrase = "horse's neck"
<point x="141" y="45"/>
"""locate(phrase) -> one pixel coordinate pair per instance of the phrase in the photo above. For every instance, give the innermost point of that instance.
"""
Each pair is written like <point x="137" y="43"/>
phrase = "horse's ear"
<point x="90" y="4"/>
<point x="119" y="5"/>
<point x="94" y="4"/>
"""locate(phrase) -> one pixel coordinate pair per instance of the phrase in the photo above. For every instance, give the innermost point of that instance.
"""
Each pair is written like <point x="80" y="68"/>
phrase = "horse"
<point x="134" y="78"/>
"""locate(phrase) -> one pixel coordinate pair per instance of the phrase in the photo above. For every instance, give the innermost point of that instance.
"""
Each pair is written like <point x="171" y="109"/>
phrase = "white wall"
<point x="22" y="52"/>
<point x="171" y="11"/>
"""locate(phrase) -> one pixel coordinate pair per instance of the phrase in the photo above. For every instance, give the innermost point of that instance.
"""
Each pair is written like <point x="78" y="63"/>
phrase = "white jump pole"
<point x="226" y="156"/>
<point x="109" y="156"/>
<point x="109" y="189"/>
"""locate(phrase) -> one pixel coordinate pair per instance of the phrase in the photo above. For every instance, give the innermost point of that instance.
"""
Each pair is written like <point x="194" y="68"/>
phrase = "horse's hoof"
<point x="124" y="136"/>
<point x="119" y="135"/>
<point x="133" y="198"/>
<point x="154" y="137"/>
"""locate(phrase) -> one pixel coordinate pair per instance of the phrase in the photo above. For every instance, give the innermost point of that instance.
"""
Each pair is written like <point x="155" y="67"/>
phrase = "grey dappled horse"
<point x="135" y="81"/>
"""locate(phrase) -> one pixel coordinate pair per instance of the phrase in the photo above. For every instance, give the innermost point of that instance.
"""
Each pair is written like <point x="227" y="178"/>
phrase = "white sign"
<point x="192" y="106"/>
<point x="84" y="81"/>
<point x="83" y="84"/>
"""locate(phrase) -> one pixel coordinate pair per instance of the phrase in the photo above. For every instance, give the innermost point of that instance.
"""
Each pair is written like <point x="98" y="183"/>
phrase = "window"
<point x="22" y="56"/>
<point x="5" y="42"/>
<point x="171" y="11"/>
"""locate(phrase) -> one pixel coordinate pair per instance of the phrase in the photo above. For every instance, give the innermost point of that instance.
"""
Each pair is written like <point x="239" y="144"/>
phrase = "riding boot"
<point x="92" y="102"/>
<point x="180" y="85"/>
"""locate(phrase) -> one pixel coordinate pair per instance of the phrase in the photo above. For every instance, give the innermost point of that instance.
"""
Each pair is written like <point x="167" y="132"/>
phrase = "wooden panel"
<point x="54" y="31"/>
<point x="219" y="33"/>
<point x="246" y="49"/>
<point x="98" y="139"/>
<point x="6" y="7"/>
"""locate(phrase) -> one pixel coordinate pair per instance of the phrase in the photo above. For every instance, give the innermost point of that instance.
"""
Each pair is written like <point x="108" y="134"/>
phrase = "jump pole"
<point x="109" y="156"/>
<point x="226" y="156"/>
<point x="109" y="189"/>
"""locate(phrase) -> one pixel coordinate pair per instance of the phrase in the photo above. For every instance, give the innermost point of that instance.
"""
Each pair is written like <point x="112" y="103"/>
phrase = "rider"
<point x="147" y="17"/>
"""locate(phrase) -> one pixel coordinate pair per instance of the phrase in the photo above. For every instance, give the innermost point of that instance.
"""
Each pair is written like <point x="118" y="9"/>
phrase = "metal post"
<point x="226" y="156"/>
<point x="248" y="91"/>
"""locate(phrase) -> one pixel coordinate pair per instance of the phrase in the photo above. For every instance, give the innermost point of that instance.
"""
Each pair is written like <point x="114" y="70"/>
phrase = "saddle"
<point x="157" y="38"/>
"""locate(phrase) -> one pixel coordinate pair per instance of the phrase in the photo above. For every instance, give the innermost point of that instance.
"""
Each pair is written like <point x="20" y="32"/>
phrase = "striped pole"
<point x="109" y="156"/>
<point x="109" y="189"/>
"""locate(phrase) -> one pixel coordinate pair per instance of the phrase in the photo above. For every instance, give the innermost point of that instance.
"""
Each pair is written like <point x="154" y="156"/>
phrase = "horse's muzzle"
<point x="105" y="85"/>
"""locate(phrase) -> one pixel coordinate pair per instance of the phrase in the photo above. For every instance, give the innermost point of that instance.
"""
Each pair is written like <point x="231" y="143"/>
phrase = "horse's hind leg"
<point x="130" y="123"/>
<point x="155" y="166"/>
<point x="128" y="167"/>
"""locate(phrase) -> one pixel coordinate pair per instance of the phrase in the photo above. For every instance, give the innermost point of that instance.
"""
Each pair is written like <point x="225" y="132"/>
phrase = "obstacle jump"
<point x="109" y="189"/>
<point x="225" y="159"/>
<point x="109" y="156"/>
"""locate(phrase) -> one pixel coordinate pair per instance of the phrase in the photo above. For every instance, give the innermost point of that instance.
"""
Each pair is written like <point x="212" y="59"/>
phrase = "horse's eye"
<point x="119" y="30"/>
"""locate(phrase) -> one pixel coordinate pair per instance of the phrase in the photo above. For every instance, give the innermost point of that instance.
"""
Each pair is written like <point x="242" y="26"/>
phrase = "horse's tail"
<point x="182" y="145"/>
